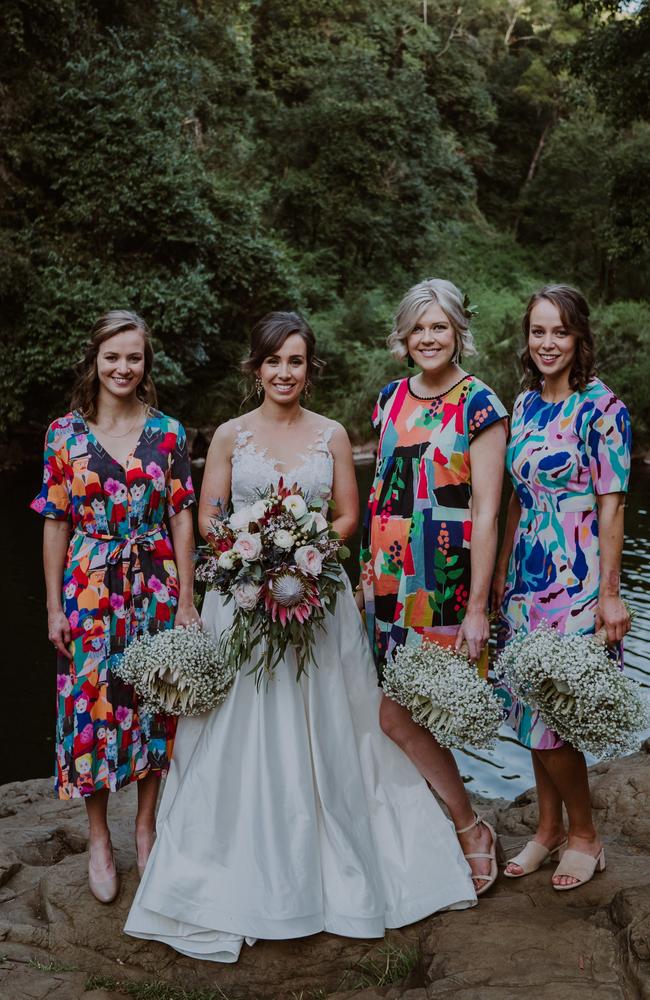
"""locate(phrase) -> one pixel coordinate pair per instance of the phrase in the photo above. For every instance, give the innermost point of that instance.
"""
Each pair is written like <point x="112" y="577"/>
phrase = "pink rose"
<point x="155" y="584"/>
<point x="112" y="486"/>
<point x="309" y="559"/>
<point x="246" y="595"/>
<point x="248" y="546"/>
<point x="117" y="601"/>
<point x="73" y="618"/>
<point x="39" y="504"/>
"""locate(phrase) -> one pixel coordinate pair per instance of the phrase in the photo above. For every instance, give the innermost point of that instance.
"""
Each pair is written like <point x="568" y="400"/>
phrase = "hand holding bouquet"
<point x="445" y="694"/>
<point x="279" y="563"/>
<point x="578" y="689"/>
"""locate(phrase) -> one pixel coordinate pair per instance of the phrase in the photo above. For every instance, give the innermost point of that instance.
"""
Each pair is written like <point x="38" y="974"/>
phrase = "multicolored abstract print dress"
<point x="415" y="552"/>
<point x="561" y="457"/>
<point x="120" y="580"/>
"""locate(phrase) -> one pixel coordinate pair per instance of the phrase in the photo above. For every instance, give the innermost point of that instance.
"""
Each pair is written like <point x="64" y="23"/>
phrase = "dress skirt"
<point x="287" y="811"/>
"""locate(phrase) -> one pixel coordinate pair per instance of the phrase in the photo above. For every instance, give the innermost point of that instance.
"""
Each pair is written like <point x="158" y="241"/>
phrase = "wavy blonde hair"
<point x="420" y="297"/>
<point x="86" y="387"/>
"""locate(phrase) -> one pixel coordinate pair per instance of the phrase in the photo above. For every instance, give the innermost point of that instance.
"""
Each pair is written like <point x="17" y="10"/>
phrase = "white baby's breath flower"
<point x="443" y="693"/>
<point x="283" y="539"/>
<point x="248" y="546"/>
<point x="578" y="689"/>
<point x="177" y="671"/>
<point x="295" y="504"/>
<point x="228" y="559"/>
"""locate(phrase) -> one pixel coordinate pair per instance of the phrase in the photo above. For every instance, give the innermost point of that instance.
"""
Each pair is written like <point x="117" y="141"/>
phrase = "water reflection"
<point x="26" y="738"/>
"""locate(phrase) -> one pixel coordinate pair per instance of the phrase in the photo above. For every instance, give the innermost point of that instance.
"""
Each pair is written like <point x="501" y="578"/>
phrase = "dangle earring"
<point x="259" y="387"/>
<point x="306" y="389"/>
<point x="410" y="362"/>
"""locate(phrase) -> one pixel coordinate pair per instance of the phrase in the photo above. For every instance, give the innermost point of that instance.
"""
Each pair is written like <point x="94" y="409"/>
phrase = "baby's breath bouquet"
<point x="444" y="693"/>
<point x="279" y="562"/>
<point x="177" y="671"/>
<point x="577" y="687"/>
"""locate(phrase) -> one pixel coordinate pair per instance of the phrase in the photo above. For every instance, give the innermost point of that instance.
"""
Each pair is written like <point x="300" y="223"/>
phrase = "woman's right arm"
<point x="56" y="536"/>
<point x="501" y="567"/>
<point x="215" y="491"/>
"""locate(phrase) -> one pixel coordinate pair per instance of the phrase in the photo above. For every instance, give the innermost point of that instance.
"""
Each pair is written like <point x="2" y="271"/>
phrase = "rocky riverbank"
<point x="523" y="940"/>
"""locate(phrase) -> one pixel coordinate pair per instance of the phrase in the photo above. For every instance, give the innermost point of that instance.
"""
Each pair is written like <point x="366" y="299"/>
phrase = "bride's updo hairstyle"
<point x="417" y="300"/>
<point x="574" y="313"/>
<point x="86" y="387"/>
<point x="269" y="334"/>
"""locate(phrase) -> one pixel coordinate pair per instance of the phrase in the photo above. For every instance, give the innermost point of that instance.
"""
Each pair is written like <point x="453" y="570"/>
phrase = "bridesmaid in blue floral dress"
<point x="114" y="467"/>
<point x="569" y="460"/>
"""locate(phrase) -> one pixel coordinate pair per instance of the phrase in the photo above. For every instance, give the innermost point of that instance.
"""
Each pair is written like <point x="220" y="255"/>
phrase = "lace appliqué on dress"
<point x="254" y="470"/>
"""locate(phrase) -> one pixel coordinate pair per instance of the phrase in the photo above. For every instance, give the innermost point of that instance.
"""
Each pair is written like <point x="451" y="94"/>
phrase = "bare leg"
<point x="145" y="820"/>
<point x="567" y="770"/>
<point x="550" y="826"/>
<point x="437" y="765"/>
<point x="99" y="836"/>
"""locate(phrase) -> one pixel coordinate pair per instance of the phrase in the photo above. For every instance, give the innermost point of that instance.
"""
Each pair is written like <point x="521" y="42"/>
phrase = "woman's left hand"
<point x="613" y="615"/>
<point x="474" y="633"/>
<point x="186" y="614"/>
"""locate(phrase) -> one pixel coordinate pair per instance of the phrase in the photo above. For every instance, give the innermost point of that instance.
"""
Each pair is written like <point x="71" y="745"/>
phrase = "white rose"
<point x="319" y="522"/>
<point x="295" y="503"/>
<point x="283" y="539"/>
<point x="240" y="520"/>
<point x="246" y="595"/>
<point x="259" y="509"/>
<point x="309" y="559"/>
<point x="227" y="559"/>
<point x="248" y="546"/>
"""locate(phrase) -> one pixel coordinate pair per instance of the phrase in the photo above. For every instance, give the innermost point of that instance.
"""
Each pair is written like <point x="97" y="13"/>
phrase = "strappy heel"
<point x="496" y="852"/>
<point x="578" y="865"/>
<point x="532" y="857"/>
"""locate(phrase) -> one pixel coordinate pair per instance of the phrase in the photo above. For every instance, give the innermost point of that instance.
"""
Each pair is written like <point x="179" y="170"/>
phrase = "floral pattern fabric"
<point x="415" y="553"/>
<point x="120" y="580"/>
<point x="561" y="457"/>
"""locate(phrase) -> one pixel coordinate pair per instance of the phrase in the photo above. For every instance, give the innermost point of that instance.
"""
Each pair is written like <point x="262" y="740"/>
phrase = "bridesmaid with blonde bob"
<point x="430" y="532"/>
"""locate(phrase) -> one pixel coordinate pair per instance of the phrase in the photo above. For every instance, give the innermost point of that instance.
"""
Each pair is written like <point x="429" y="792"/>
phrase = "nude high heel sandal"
<point x="495" y="851"/>
<point x="578" y="865"/>
<point x="532" y="857"/>
<point x="106" y="887"/>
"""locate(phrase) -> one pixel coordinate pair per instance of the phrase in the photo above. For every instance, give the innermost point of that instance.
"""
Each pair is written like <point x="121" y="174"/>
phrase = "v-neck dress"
<point x="119" y="581"/>
<point x="561" y="457"/>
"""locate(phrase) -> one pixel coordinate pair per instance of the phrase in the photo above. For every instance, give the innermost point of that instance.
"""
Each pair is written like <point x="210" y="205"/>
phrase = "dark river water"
<point x="27" y="735"/>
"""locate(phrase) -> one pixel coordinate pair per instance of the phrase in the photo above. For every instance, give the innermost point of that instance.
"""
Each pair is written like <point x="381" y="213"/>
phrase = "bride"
<point x="286" y="810"/>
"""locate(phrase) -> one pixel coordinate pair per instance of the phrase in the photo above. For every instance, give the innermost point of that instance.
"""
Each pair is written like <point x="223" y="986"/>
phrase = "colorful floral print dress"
<point x="561" y="457"/>
<point x="120" y="580"/>
<point x="415" y="553"/>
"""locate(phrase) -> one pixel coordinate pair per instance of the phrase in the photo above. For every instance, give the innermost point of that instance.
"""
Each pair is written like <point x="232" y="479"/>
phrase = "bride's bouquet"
<point x="177" y="671"/>
<point x="279" y="563"/>
<point x="578" y="689"/>
<point x="444" y="693"/>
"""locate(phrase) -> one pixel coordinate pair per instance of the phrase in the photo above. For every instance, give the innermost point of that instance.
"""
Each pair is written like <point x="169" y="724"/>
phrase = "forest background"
<point x="206" y="161"/>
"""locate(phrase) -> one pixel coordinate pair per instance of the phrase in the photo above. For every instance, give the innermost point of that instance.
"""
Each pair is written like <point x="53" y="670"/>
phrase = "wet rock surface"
<point x="522" y="940"/>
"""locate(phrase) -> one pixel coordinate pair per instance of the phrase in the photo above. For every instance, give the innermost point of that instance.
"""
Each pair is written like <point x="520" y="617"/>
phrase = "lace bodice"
<point x="253" y="469"/>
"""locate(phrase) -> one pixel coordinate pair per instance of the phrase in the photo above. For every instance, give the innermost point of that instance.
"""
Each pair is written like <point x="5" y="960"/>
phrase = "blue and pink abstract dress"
<point x="561" y="457"/>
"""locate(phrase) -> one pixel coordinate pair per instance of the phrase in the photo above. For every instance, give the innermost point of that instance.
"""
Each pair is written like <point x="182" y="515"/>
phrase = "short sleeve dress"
<point x="415" y="550"/>
<point x="119" y="581"/>
<point x="561" y="457"/>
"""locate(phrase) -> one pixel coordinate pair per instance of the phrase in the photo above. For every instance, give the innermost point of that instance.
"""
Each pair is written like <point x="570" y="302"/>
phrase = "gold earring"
<point x="259" y="387"/>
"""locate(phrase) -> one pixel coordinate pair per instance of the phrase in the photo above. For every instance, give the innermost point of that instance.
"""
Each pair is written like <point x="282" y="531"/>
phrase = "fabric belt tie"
<point x="125" y="543"/>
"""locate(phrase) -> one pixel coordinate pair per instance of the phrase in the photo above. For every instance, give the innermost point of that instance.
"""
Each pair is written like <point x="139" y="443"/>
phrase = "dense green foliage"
<point x="207" y="161"/>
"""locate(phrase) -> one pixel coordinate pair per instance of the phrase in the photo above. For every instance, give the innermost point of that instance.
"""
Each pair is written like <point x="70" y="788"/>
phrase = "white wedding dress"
<point x="286" y="810"/>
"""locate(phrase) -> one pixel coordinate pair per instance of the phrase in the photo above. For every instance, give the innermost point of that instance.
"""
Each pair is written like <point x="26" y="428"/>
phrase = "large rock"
<point x="523" y="940"/>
